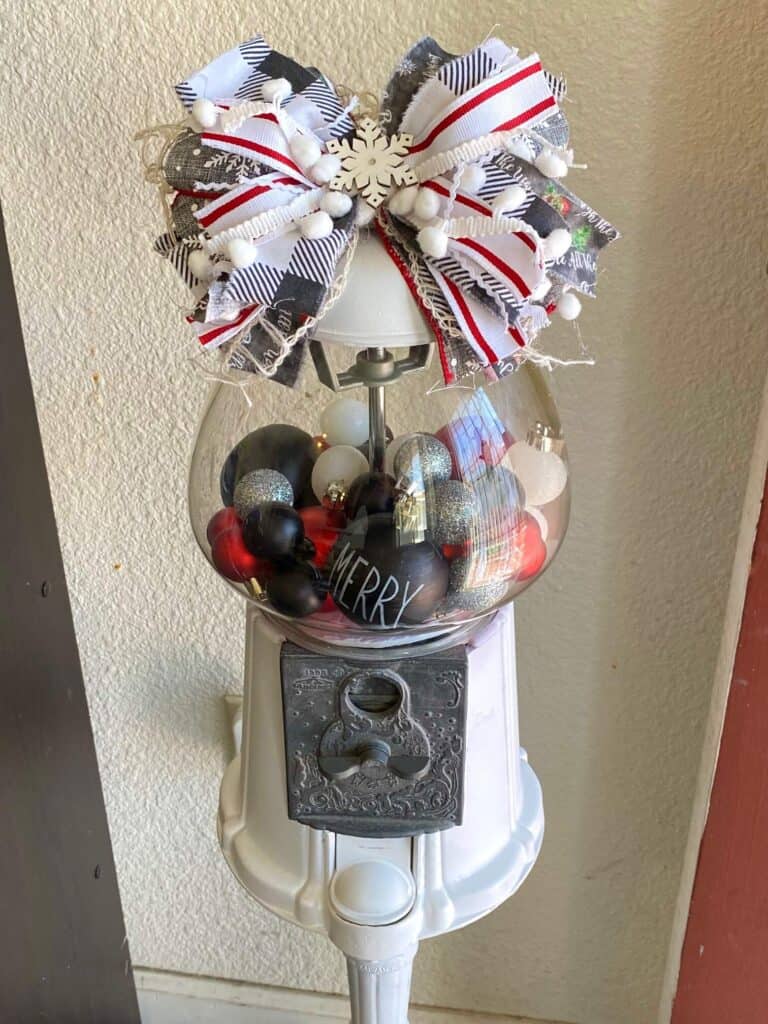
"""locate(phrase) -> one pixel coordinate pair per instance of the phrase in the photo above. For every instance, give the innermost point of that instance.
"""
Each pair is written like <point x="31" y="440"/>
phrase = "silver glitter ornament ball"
<point x="451" y="512"/>
<point x="259" y="486"/>
<point x="474" y="600"/>
<point x="422" y="460"/>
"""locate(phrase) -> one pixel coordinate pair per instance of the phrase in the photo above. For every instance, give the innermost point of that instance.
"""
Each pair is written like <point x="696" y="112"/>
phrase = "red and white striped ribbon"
<point x="260" y="138"/>
<point x="245" y="201"/>
<point x="512" y="258"/>
<point x="211" y="335"/>
<point x="515" y="98"/>
<point x="488" y="335"/>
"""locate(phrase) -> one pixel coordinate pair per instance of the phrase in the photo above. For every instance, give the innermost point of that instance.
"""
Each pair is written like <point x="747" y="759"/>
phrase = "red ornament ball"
<point x="230" y="555"/>
<point x="527" y="541"/>
<point x="224" y="519"/>
<point x="322" y="526"/>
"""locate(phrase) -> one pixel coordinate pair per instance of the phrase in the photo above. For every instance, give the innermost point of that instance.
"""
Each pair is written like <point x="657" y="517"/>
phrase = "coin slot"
<point x="375" y="695"/>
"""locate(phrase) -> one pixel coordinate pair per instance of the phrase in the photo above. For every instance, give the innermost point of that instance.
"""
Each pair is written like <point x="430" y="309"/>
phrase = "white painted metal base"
<point x="421" y="887"/>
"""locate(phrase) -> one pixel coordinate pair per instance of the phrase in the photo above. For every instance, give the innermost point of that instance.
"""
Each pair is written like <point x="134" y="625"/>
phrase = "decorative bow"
<point x="275" y="172"/>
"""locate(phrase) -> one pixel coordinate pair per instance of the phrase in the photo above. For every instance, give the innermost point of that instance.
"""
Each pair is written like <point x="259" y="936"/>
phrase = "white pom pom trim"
<point x="520" y="148"/>
<point x="401" y="202"/>
<point x="569" y="306"/>
<point x="316" y="225"/>
<point x="472" y="178"/>
<point x="557" y="243"/>
<point x="275" y="90"/>
<point x="205" y="112"/>
<point x="200" y="264"/>
<point x="427" y="204"/>
<point x="305" y="151"/>
<point x="327" y="167"/>
<point x="510" y="199"/>
<point x="336" y="204"/>
<point x="551" y="165"/>
<point x="433" y="242"/>
<point x="364" y="214"/>
<point x="241" y="253"/>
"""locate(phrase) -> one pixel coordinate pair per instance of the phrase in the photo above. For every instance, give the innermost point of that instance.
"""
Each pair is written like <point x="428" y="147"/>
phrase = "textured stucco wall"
<point x="617" y="644"/>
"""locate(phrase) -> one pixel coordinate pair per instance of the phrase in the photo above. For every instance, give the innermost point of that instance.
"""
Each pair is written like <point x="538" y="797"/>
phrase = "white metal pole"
<point x="379" y="990"/>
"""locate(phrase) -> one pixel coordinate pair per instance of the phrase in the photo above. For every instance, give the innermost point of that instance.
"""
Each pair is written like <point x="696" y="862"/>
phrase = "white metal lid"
<point x="376" y="307"/>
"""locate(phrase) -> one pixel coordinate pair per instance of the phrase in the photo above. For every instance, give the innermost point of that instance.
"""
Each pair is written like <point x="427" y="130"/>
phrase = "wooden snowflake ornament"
<point x="371" y="164"/>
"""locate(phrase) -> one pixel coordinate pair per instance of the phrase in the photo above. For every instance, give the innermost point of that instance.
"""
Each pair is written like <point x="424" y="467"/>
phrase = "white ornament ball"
<point x="305" y="151"/>
<point x="345" y="421"/>
<point x="543" y="475"/>
<point x="427" y="204"/>
<point x="275" y="90"/>
<point x="433" y="242"/>
<point x="557" y="243"/>
<point x="338" y="465"/>
<point x="241" y="253"/>
<point x="551" y="165"/>
<point x="205" y="113"/>
<point x="336" y="204"/>
<point x="401" y="202"/>
<point x="327" y="167"/>
<point x="200" y="264"/>
<point x="569" y="306"/>
<point x="510" y="199"/>
<point x="472" y="178"/>
<point x="316" y="225"/>
<point x="364" y="214"/>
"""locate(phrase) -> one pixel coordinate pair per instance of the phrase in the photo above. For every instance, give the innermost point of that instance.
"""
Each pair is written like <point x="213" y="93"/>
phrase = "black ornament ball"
<point x="273" y="530"/>
<point x="371" y="493"/>
<point x="296" y="590"/>
<point x="378" y="582"/>
<point x="286" y="449"/>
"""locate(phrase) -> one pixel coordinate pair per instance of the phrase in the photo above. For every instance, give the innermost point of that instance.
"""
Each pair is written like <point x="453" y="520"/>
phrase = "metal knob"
<point x="373" y="758"/>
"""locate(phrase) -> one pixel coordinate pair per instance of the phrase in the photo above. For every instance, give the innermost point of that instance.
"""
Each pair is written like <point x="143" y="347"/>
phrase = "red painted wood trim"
<point x="724" y="967"/>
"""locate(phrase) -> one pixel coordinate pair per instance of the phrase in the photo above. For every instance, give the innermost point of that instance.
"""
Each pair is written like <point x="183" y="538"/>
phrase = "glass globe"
<point x="371" y="505"/>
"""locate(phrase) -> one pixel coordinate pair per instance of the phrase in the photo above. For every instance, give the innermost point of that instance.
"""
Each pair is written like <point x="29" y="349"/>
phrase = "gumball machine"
<point x="380" y="532"/>
<point x="388" y="474"/>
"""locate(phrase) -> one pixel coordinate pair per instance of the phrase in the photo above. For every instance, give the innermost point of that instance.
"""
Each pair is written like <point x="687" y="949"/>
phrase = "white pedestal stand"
<point x="377" y="897"/>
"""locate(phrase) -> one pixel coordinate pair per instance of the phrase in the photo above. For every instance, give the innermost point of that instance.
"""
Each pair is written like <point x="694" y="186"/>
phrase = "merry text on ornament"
<point x="344" y="571"/>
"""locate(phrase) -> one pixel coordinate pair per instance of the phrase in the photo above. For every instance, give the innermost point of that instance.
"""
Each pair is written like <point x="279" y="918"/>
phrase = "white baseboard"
<point x="166" y="998"/>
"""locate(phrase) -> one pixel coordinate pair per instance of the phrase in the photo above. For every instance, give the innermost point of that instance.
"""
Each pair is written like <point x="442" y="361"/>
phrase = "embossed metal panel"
<point x="375" y="750"/>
